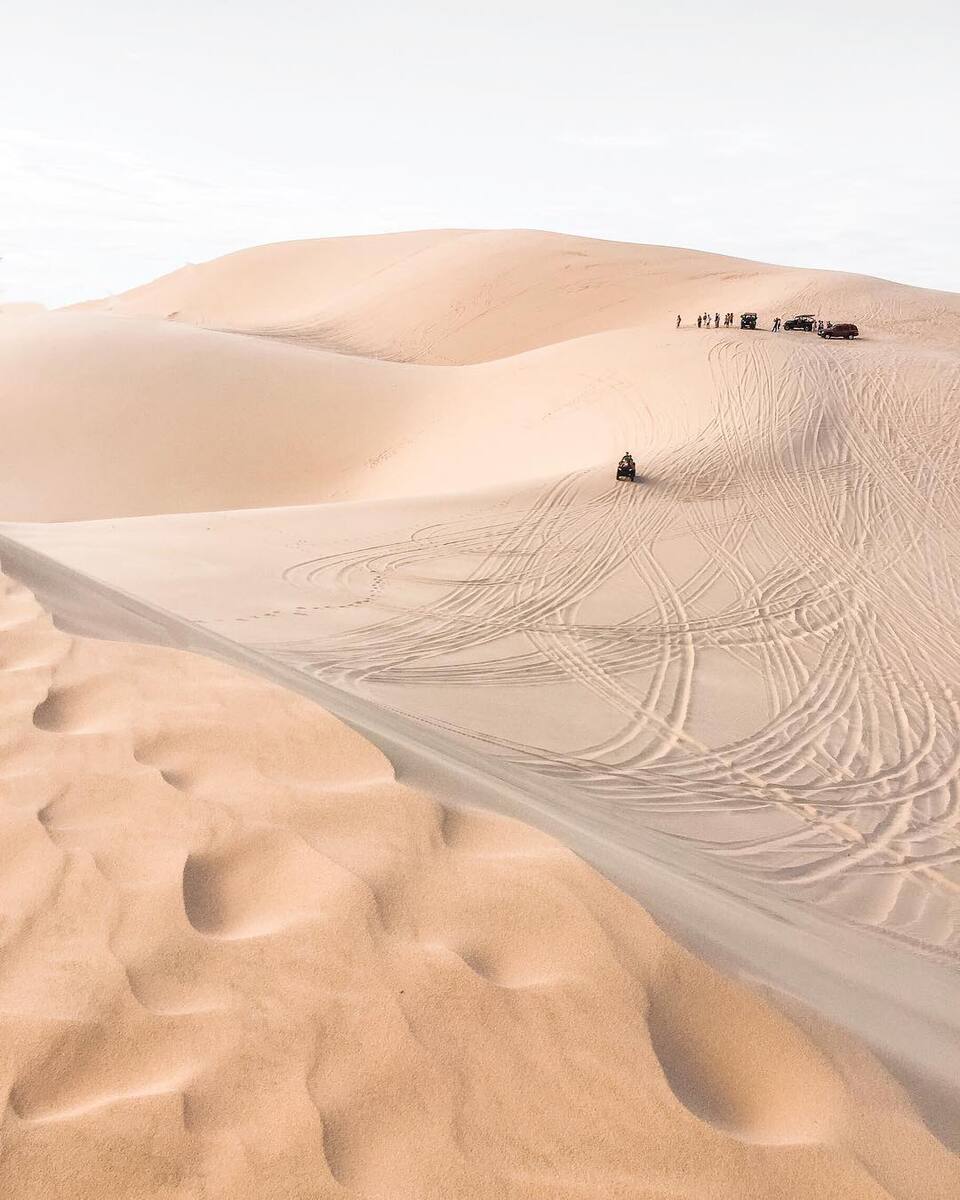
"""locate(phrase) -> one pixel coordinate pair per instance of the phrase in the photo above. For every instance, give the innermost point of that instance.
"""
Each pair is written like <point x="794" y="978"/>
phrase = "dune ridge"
<point x="468" y="296"/>
<point x="239" y="959"/>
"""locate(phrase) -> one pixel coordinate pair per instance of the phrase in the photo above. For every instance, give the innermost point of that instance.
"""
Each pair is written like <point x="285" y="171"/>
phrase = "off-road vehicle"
<point x="840" y="331"/>
<point x="805" y="321"/>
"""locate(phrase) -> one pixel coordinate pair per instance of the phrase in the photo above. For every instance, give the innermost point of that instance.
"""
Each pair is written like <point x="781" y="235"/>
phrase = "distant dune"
<point x="465" y="297"/>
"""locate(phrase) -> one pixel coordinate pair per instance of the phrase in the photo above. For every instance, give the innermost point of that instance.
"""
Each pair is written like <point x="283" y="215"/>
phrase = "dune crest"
<point x="240" y="960"/>
<point x="467" y="296"/>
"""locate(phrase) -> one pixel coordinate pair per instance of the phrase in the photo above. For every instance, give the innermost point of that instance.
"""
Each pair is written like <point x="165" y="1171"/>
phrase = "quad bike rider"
<point x="627" y="468"/>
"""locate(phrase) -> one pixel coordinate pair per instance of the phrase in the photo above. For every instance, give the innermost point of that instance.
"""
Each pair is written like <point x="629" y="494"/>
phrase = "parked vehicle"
<point x="848" y="330"/>
<point x="805" y="321"/>
<point x="627" y="468"/>
<point x="748" y="320"/>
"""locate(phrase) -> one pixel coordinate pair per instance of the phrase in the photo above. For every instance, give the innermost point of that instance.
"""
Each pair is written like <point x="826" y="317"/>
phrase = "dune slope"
<point x="240" y="960"/>
<point x="527" y="355"/>
<point x="106" y="417"/>
<point x="454" y="297"/>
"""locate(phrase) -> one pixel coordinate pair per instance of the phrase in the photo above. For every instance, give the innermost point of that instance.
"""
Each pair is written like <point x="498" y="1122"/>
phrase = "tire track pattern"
<point x="778" y="688"/>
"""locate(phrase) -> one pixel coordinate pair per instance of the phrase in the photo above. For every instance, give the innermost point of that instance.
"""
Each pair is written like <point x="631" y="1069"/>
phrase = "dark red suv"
<point x="840" y="331"/>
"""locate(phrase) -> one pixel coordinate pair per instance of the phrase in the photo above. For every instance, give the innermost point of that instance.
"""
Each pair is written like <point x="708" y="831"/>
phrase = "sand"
<point x="241" y="960"/>
<point x="455" y="297"/>
<point x="557" y="352"/>
<point x="386" y="466"/>
<point x="752" y="651"/>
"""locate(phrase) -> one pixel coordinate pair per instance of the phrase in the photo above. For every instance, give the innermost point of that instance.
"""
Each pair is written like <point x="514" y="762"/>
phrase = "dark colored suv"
<point x="803" y="321"/>
<point x="748" y="320"/>
<point x="840" y="331"/>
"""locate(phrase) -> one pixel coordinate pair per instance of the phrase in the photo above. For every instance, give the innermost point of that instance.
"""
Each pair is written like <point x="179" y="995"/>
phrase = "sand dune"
<point x="262" y="966"/>
<point x="241" y="960"/>
<point x="234" y="422"/>
<point x="268" y="283"/>
<point x="469" y="296"/>
<point x="575" y="340"/>
<point x="751" y="652"/>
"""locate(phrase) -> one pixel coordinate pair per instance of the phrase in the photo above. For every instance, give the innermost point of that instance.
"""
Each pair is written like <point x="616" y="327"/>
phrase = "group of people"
<point x="705" y="321"/>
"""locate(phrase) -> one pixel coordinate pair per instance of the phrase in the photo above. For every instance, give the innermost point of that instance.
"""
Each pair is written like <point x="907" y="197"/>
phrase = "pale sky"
<point x="136" y="137"/>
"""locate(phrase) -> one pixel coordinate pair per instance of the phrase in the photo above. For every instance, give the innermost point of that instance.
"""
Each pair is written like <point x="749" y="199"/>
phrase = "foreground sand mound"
<point x="451" y="297"/>
<point x="240" y="960"/>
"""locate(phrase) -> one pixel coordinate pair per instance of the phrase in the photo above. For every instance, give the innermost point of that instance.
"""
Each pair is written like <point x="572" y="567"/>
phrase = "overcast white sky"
<point x="135" y="137"/>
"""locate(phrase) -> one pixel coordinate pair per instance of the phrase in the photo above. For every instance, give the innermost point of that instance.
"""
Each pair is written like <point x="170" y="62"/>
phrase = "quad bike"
<point x="627" y="469"/>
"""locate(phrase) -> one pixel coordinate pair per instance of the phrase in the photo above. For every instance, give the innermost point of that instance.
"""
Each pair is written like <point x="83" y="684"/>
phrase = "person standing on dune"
<point x="699" y="322"/>
<point x="678" y="320"/>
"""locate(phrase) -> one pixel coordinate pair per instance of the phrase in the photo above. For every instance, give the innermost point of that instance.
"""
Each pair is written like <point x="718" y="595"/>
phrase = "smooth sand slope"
<point x="199" y="420"/>
<point x="240" y="960"/>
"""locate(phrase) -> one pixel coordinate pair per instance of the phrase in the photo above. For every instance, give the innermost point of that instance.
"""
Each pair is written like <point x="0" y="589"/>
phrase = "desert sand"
<point x="384" y="466"/>
<point x="241" y="960"/>
<point x="413" y="365"/>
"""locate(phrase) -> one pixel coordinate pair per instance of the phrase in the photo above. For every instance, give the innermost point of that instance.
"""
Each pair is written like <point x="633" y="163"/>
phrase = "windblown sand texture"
<point x="240" y="960"/>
